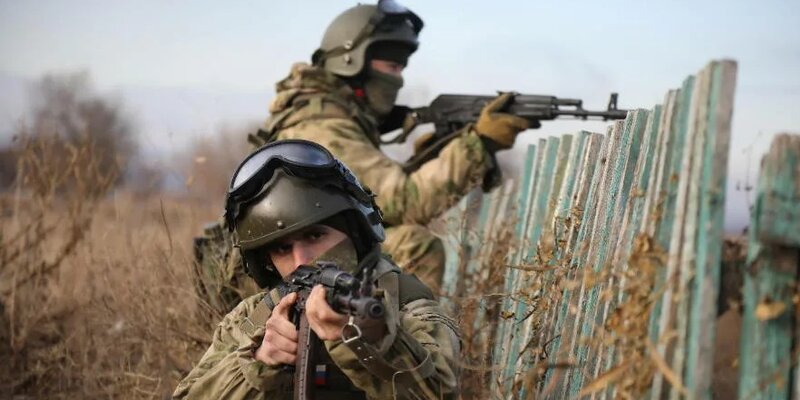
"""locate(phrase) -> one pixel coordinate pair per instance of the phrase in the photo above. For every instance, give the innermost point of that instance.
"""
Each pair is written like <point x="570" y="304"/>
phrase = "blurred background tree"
<point x="65" y="109"/>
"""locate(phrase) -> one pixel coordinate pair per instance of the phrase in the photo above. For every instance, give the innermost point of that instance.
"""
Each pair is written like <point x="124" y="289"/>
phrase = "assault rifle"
<point x="451" y="112"/>
<point x="345" y="294"/>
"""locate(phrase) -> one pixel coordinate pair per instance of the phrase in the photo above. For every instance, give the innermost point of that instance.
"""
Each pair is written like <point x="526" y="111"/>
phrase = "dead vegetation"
<point x="96" y="296"/>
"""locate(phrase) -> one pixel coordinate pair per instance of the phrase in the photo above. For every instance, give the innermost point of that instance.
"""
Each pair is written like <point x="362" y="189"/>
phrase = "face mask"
<point x="381" y="90"/>
<point x="343" y="255"/>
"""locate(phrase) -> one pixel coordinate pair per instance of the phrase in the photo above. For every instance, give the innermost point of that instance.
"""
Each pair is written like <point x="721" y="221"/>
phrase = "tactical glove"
<point x="399" y="117"/>
<point x="501" y="128"/>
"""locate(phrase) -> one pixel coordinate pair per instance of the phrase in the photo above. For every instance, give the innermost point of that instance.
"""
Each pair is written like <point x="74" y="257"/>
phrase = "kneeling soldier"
<point x="292" y="204"/>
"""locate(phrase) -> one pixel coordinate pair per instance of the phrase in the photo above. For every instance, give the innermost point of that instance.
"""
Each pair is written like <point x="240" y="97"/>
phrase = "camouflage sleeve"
<point x="404" y="198"/>
<point x="228" y="369"/>
<point x="421" y="356"/>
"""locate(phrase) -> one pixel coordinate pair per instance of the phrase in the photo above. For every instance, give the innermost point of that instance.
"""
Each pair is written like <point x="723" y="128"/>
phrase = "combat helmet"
<point x="344" y="46"/>
<point x="286" y="186"/>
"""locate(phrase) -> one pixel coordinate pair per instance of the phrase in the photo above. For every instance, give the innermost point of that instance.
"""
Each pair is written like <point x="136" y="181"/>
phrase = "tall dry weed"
<point x="96" y="297"/>
<point x="476" y="296"/>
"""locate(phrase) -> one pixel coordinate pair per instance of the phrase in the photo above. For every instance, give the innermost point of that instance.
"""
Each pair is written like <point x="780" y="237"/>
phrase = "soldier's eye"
<point x="280" y="249"/>
<point x="315" y="235"/>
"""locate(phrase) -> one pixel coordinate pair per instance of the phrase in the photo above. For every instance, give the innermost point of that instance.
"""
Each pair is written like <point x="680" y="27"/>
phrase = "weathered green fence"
<point x="770" y="342"/>
<point x="613" y="265"/>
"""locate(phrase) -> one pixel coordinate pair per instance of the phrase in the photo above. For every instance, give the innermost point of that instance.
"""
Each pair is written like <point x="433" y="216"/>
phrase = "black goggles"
<point x="390" y="11"/>
<point x="387" y="14"/>
<point x="300" y="158"/>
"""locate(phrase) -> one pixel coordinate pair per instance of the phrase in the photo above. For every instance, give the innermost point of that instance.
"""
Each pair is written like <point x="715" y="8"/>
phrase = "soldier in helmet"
<point x="346" y="99"/>
<point x="291" y="203"/>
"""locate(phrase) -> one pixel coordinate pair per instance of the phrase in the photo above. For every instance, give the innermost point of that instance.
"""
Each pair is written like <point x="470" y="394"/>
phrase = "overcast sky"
<point x="185" y="68"/>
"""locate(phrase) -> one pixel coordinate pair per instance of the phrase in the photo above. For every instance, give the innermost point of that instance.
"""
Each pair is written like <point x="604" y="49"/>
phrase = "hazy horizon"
<point x="185" y="69"/>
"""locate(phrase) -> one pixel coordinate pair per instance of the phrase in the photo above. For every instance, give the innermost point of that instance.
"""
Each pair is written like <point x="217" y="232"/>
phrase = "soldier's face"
<point x="303" y="246"/>
<point x="388" y="67"/>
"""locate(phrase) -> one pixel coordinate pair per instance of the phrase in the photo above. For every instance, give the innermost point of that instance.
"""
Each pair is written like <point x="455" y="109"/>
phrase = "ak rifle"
<point x="345" y="294"/>
<point x="451" y="112"/>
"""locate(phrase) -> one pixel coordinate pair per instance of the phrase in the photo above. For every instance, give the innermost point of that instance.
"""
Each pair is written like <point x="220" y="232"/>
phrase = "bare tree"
<point x="66" y="108"/>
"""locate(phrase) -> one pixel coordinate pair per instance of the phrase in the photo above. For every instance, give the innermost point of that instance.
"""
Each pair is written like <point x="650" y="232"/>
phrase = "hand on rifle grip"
<point x="279" y="345"/>
<point x="500" y="127"/>
<point x="325" y="322"/>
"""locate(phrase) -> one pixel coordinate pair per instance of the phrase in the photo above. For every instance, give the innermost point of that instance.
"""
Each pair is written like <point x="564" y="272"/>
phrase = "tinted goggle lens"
<point x="391" y="9"/>
<point x="300" y="154"/>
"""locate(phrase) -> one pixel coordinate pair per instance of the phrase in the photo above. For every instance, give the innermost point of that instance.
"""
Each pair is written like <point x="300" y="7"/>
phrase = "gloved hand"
<point x="500" y="127"/>
<point x="399" y="117"/>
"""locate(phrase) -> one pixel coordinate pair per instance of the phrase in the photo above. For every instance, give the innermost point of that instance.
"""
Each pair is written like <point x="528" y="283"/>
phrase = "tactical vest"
<point x="316" y="106"/>
<point x="330" y="382"/>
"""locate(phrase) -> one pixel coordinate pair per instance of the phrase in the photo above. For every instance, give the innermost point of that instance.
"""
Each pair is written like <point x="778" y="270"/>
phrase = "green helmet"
<point x="344" y="46"/>
<point x="286" y="186"/>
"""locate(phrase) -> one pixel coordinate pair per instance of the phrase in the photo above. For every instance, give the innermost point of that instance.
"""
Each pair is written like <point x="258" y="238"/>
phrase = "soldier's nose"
<point x="302" y="254"/>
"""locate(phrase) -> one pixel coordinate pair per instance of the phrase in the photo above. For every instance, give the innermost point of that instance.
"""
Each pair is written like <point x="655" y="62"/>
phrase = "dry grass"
<point x="97" y="298"/>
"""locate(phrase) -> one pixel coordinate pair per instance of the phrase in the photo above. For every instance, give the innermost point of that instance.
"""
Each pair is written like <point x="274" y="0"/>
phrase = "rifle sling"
<point x="374" y="362"/>
<point x="418" y="159"/>
<point x="391" y="281"/>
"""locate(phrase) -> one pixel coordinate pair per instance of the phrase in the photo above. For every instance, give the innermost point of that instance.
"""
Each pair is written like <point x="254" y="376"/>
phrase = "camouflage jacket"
<point x="315" y="105"/>
<point x="420" y="351"/>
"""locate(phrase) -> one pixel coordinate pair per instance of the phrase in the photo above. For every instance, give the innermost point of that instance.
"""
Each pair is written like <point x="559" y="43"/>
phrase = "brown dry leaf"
<point x="507" y="314"/>
<point x="768" y="310"/>
<point x="665" y="370"/>
<point x="606" y="379"/>
<point x="547" y="245"/>
<point x="571" y="284"/>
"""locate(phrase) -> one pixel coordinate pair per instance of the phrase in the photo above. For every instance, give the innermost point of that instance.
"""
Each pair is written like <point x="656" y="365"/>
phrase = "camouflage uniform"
<point x="315" y="105"/>
<point x="416" y="359"/>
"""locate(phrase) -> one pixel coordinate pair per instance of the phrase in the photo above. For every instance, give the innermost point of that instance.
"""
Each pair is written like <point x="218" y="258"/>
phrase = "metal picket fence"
<point x="612" y="256"/>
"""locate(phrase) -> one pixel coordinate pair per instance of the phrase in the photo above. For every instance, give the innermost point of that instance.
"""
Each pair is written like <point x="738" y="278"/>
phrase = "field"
<point x="97" y="293"/>
<point x="98" y="297"/>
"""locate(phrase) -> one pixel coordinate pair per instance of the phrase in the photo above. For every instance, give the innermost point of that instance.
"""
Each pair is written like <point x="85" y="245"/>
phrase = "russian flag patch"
<point x="320" y="375"/>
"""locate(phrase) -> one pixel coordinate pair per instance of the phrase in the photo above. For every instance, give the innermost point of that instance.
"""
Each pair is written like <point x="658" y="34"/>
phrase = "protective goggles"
<point x="390" y="12"/>
<point x="387" y="16"/>
<point x="300" y="158"/>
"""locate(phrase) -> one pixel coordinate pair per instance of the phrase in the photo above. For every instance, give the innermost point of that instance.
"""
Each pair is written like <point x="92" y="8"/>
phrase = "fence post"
<point x="770" y="332"/>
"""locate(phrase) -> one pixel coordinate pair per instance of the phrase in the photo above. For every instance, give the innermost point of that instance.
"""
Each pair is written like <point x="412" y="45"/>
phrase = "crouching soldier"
<point x="291" y="204"/>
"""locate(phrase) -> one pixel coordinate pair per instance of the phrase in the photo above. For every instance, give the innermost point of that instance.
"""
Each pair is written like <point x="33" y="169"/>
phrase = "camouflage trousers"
<point x="221" y="281"/>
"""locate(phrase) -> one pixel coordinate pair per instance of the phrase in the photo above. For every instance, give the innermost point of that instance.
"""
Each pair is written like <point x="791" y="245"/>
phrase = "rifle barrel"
<point x="586" y="114"/>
